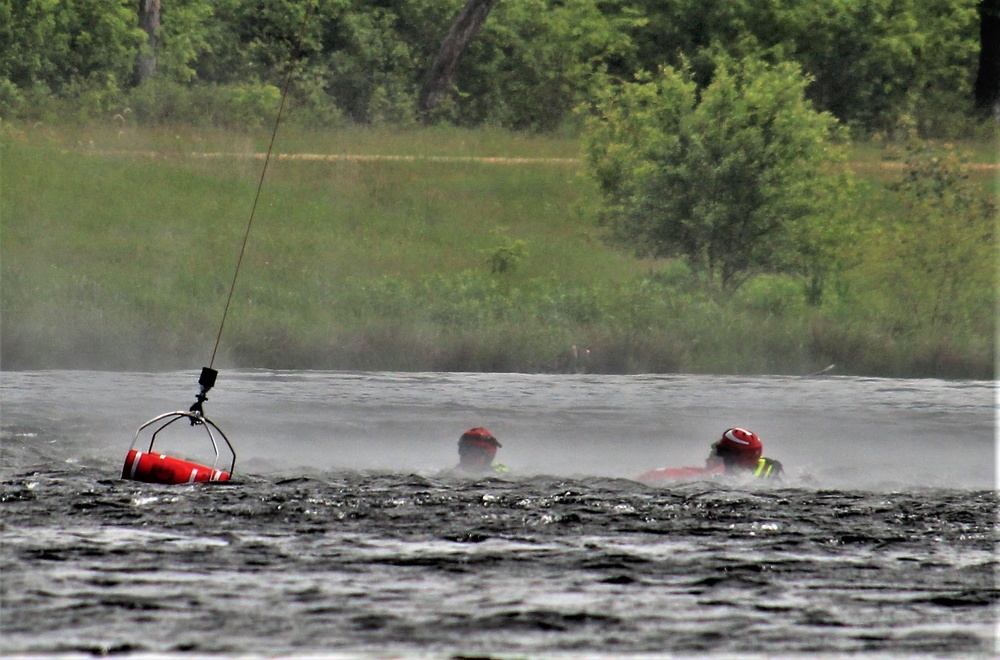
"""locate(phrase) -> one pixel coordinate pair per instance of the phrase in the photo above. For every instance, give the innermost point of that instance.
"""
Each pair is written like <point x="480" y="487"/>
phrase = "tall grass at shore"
<point x="111" y="257"/>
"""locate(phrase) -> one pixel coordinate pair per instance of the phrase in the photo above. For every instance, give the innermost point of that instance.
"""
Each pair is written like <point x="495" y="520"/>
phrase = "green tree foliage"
<point x="733" y="177"/>
<point x="374" y="76"/>
<point x="871" y="61"/>
<point x="189" y="30"/>
<point x="361" y="59"/>
<point x="879" y="60"/>
<point x="535" y="60"/>
<point x="61" y="44"/>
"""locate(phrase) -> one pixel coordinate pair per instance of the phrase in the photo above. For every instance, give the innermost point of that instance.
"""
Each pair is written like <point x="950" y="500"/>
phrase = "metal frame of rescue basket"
<point x="196" y="420"/>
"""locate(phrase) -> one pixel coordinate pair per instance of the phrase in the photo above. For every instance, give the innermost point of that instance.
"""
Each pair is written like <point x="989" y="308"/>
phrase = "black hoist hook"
<point x="206" y="381"/>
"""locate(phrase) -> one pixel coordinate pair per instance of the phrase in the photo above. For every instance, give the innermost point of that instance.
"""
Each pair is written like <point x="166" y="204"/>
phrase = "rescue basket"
<point x="152" y="467"/>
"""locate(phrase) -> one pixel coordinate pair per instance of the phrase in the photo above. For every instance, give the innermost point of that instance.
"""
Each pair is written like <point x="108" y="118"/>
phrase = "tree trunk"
<point x="988" y="78"/>
<point x="437" y="80"/>
<point x="149" y="22"/>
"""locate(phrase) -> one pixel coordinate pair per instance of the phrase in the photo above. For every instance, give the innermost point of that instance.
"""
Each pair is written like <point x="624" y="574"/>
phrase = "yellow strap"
<point x="760" y="471"/>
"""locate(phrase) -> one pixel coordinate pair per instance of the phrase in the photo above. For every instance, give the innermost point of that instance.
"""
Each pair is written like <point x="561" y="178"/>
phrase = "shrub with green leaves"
<point x="733" y="178"/>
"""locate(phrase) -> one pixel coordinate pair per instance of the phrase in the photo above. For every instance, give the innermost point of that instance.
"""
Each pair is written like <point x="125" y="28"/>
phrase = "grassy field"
<point x="118" y="247"/>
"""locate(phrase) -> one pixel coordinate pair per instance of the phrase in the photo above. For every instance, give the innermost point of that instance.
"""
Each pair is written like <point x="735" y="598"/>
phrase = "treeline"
<point x="870" y="63"/>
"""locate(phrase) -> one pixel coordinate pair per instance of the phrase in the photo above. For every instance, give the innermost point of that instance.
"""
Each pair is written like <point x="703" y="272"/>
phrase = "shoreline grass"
<point x="124" y="262"/>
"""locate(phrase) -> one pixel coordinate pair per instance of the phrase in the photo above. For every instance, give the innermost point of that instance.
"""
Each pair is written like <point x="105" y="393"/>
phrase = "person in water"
<point x="476" y="450"/>
<point x="736" y="453"/>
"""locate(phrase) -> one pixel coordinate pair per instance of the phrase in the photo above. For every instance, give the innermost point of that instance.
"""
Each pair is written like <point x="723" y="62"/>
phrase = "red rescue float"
<point x="679" y="474"/>
<point x="156" y="468"/>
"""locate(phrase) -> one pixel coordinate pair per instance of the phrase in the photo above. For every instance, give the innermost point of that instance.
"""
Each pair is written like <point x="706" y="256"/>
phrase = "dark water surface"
<point x="341" y="535"/>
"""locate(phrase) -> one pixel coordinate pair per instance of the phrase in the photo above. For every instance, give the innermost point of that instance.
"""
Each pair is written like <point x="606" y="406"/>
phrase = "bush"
<point x="158" y="100"/>
<point x="11" y="100"/>
<point x="238" y="107"/>
<point x="733" y="178"/>
<point x="772" y="295"/>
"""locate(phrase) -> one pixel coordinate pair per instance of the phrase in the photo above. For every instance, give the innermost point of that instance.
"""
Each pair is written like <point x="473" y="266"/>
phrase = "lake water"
<point x="341" y="535"/>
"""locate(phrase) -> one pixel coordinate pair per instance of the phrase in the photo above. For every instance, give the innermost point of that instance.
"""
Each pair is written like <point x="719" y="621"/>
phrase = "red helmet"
<point x="743" y="446"/>
<point x="478" y="440"/>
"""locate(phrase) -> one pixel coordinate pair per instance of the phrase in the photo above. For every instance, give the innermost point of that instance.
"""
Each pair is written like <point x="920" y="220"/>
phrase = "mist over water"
<point x="343" y="535"/>
<point x="828" y="431"/>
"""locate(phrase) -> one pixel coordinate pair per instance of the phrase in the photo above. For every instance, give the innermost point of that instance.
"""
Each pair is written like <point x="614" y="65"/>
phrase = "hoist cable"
<point x="260" y="183"/>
